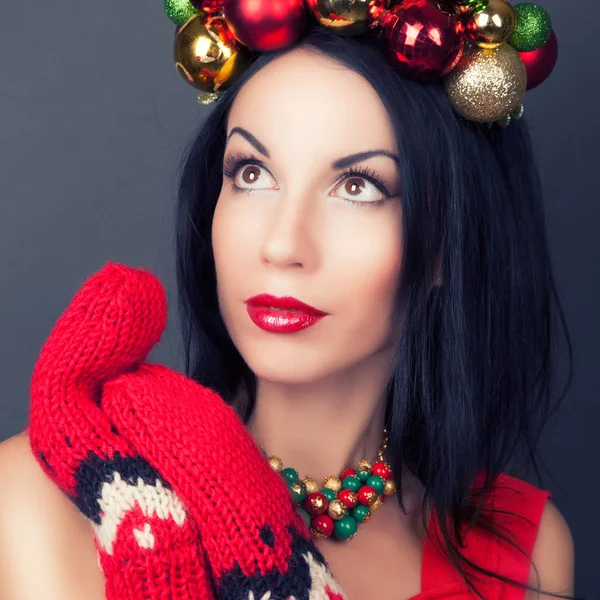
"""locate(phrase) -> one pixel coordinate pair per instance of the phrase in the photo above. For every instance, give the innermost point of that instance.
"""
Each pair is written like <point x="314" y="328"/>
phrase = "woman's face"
<point x="305" y="212"/>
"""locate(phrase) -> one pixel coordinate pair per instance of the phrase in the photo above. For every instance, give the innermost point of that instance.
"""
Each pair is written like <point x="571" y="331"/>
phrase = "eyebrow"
<point x="340" y="163"/>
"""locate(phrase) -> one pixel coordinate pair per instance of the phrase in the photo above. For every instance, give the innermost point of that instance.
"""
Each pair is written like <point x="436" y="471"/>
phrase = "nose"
<point x="290" y="234"/>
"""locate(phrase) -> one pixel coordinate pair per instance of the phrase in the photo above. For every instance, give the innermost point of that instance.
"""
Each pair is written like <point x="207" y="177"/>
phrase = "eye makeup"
<point x="235" y="161"/>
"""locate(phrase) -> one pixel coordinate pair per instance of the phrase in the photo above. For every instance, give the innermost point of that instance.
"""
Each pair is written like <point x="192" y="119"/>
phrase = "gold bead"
<point x="333" y="483"/>
<point x="377" y="504"/>
<point x="312" y="485"/>
<point x="337" y="509"/>
<point x="276" y="463"/>
<point x="389" y="487"/>
<point x="365" y="465"/>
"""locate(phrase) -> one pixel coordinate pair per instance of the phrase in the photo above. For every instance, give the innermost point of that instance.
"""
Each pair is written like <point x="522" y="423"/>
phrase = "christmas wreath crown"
<point x="488" y="53"/>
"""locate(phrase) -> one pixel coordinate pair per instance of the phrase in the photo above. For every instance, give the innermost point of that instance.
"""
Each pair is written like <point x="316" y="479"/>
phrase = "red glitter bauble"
<point x="209" y="7"/>
<point x="540" y="63"/>
<point x="265" y="25"/>
<point x="421" y="41"/>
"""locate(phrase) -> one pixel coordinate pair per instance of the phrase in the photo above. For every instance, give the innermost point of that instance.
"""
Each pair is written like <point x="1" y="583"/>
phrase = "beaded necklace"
<point x="335" y="508"/>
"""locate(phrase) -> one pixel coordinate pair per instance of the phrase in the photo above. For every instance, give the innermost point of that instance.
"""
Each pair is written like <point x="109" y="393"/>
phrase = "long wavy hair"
<point x="472" y="385"/>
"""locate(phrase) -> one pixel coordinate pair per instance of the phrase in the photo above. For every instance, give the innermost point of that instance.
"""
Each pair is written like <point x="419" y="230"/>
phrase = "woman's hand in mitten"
<point x="257" y="546"/>
<point x="148" y="546"/>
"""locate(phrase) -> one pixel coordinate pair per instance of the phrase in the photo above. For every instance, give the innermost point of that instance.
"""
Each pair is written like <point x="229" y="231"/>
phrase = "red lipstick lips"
<point x="282" y="315"/>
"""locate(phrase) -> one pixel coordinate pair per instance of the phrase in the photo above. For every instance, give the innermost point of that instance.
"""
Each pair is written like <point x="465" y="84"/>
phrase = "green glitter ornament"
<point x="532" y="27"/>
<point x="180" y="11"/>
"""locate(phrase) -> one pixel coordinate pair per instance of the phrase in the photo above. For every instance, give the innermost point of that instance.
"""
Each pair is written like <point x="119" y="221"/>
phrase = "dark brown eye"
<point x="250" y="174"/>
<point x="354" y="186"/>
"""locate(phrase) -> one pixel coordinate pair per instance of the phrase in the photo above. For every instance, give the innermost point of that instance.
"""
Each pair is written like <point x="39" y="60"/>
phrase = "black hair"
<point x="474" y="369"/>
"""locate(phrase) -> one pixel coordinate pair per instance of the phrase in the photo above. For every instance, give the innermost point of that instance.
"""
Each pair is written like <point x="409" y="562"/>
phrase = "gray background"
<point x="93" y="120"/>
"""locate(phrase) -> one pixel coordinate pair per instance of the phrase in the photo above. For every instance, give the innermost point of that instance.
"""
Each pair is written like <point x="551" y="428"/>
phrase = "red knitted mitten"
<point x="256" y="544"/>
<point x="148" y="546"/>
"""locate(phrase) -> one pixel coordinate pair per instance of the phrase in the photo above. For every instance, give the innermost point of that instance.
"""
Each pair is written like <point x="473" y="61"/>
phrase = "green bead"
<point x="329" y="494"/>
<point x="363" y="475"/>
<point x="352" y="482"/>
<point x="532" y="27"/>
<point x="180" y="11"/>
<point x="360" y="512"/>
<point x="298" y="490"/>
<point x="290" y="474"/>
<point x="377" y="483"/>
<point x="307" y="518"/>
<point x="344" y="527"/>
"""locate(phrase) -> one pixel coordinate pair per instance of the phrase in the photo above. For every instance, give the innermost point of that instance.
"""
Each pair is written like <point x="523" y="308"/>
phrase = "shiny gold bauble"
<point x="377" y="504"/>
<point x="276" y="463"/>
<point x="347" y="17"/>
<point x="333" y="483"/>
<point x="207" y="55"/>
<point x="312" y="485"/>
<point x="364" y="465"/>
<point x="389" y="488"/>
<point x="493" y="25"/>
<point x="487" y="85"/>
<point x="337" y="509"/>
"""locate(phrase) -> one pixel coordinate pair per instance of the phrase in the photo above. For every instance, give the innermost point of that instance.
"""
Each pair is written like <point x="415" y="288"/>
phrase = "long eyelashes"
<point x="235" y="161"/>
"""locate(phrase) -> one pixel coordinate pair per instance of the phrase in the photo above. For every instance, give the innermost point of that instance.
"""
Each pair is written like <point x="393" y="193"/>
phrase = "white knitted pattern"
<point x="118" y="497"/>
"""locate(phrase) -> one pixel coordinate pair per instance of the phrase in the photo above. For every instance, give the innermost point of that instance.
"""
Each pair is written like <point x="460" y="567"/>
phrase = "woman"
<point x="417" y="239"/>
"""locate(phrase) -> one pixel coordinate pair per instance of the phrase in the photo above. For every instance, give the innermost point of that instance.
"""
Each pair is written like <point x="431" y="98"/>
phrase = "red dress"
<point x="441" y="581"/>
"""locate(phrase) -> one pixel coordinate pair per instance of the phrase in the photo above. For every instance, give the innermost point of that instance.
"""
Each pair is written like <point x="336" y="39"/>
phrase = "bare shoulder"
<point x="42" y="532"/>
<point x="553" y="555"/>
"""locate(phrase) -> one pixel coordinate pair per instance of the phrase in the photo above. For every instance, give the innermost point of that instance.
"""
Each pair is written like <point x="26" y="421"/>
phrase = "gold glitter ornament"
<point x="487" y="85"/>
<point x="389" y="488"/>
<point x="493" y="25"/>
<point x="347" y="17"/>
<point x="312" y="485"/>
<point x="365" y="465"/>
<point x="337" y="509"/>
<point x="377" y="504"/>
<point x="333" y="483"/>
<point x="276" y="463"/>
<point x="207" y="55"/>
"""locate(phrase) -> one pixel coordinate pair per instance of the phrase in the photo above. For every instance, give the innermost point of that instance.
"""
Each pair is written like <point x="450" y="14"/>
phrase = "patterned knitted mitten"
<point x="206" y="463"/>
<point x="148" y="547"/>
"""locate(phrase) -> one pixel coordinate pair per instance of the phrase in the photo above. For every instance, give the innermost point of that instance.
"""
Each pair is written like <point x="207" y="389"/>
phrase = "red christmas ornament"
<point x="208" y="7"/>
<point x="322" y="526"/>
<point x="346" y="472"/>
<point x="315" y="504"/>
<point x="349" y="498"/>
<point x="367" y="495"/>
<point x="420" y="40"/>
<point x="381" y="469"/>
<point x="265" y="25"/>
<point x="540" y="63"/>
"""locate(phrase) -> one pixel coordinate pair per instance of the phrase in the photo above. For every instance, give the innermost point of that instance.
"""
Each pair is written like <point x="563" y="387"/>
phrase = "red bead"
<point x="381" y="470"/>
<point x="315" y="504"/>
<point x="349" y="498"/>
<point x="347" y="472"/>
<point x="321" y="526"/>
<point x="367" y="495"/>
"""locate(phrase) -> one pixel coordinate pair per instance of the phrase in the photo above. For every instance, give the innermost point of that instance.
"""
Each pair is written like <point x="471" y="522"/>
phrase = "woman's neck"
<point x="321" y="428"/>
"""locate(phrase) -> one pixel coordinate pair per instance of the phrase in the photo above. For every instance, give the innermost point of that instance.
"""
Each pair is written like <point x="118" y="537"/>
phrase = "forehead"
<point x="315" y="102"/>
